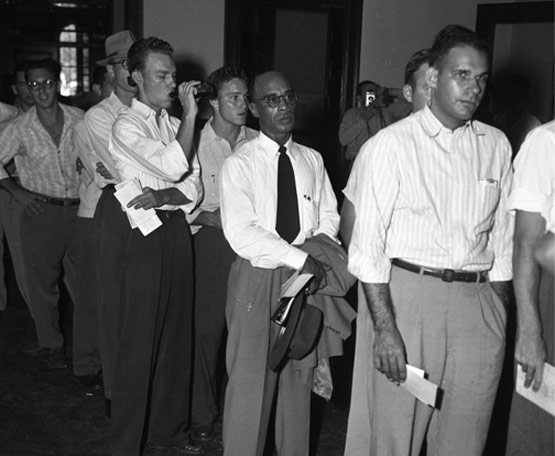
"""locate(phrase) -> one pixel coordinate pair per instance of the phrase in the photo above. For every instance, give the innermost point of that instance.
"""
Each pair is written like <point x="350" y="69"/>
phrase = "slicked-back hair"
<point x="219" y="77"/>
<point x="45" y="64"/>
<point x="139" y="51"/>
<point x="453" y="36"/>
<point x="424" y="56"/>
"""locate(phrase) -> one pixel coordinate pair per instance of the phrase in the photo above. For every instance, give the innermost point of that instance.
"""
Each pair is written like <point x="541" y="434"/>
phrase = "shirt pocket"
<point x="309" y="213"/>
<point x="487" y="200"/>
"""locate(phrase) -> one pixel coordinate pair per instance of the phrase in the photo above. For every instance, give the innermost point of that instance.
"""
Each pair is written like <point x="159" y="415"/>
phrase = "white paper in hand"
<point x="545" y="396"/>
<point x="146" y="220"/>
<point x="419" y="387"/>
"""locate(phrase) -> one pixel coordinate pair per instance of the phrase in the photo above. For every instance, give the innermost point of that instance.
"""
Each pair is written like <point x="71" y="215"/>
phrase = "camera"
<point x="378" y="98"/>
<point x="205" y="91"/>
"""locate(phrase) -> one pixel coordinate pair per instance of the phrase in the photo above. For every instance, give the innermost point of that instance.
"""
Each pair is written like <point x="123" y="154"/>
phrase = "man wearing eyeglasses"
<point x="275" y="194"/>
<point x="41" y="142"/>
<point x="224" y="132"/>
<point x="99" y="234"/>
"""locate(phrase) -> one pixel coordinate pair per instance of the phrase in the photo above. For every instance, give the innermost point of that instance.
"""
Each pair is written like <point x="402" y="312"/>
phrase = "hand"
<point x="318" y="269"/>
<point x="148" y="200"/>
<point x="31" y="203"/>
<point x="530" y="353"/>
<point x="186" y="92"/>
<point x="389" y="354"/>
<point x="212" y="219"/>
<point x="103" y="171"/>
<point x="79" y="166"/>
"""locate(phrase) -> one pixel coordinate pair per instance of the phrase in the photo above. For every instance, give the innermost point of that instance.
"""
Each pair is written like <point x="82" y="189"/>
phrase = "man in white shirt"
<point x="275" y="194"/>
<point x="531" y="429"/>
<point x="224" y="132"/>
<point x="430" y="196"/>
<point x="151" y="386"/>
<point x="99" y="213"/>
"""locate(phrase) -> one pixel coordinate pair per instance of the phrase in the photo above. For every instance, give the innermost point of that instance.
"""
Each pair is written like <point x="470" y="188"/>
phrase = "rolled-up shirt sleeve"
<point x="192" y="187"/>
<point x="130" y="144"/>
<point x="242" y="227"/>
<point x="372" y="188"/>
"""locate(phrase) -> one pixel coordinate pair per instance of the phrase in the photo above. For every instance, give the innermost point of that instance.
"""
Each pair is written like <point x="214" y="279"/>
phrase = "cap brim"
<point x="106" y="61"/>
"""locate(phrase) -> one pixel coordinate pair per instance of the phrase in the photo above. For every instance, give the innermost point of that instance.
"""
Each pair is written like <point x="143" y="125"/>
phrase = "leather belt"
<point x="447" y="275"/>
<point x="65" y="202"/>
<point x="169" y="214"/>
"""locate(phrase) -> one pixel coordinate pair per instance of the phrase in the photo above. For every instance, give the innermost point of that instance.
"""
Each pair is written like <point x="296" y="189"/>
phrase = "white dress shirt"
<point x="212" y="152"/>
<point x="146" y="149"/>
<point x="248" y="196"/>
<point x="534" y="181"/>
<point x="433" y="197"/>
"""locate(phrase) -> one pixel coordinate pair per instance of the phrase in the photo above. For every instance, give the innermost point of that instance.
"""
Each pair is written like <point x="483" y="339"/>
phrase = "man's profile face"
<point x="232" y="101"/>
<point x="45" y="93"/>
<point x="277" y="123"/>
<point x="21" y="90"/>
<point x="458" y="84"/>
<point x="157" y="81"/>
<point x="419" y="89"/>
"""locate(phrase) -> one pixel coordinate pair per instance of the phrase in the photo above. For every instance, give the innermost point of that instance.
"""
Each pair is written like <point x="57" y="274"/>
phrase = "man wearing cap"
<point x="41" y="141"/>
<point x="275" y="194"/>
<point x="98" y="271"/>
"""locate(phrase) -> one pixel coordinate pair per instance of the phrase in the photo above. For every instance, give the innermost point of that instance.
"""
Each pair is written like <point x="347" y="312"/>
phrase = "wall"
<point x="392" y="30"/>
<point x="195" y="29"/>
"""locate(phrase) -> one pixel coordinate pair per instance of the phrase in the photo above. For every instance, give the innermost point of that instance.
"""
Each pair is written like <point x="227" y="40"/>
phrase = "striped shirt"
<point x="433" y="197"/>
<point x="146" y="149"/>
<point x="42" y="166"/>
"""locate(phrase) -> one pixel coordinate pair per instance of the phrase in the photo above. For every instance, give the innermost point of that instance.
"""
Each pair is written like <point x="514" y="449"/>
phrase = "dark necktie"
<point x="287" y="216"/>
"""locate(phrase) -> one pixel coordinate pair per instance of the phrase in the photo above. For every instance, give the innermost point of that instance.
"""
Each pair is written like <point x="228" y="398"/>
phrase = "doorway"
<point x="316" y="45"/>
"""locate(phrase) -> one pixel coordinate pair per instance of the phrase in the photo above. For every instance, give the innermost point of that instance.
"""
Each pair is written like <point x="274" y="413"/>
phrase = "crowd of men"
<point x="428" y="221"/>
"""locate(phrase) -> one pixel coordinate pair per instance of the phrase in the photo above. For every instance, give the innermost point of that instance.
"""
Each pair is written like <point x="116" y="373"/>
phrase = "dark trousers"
<point x="151" y="390"/>
<point x="86" y="359"/>
<point x="112" y="227"/>
<point x="48" y="247"/>
<point x="213" y="258"/>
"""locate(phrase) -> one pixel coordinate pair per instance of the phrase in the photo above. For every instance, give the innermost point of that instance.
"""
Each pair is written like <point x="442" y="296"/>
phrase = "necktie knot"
<point x="282" y="149"/>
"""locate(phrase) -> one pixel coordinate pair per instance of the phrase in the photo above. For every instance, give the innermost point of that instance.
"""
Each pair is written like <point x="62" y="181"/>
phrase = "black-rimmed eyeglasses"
<point x="273" y="101"/>
<point x="37" y="85"/>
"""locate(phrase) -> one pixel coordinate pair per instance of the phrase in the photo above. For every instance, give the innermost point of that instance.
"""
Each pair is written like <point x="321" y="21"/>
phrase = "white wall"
<point x="194" y="28"/>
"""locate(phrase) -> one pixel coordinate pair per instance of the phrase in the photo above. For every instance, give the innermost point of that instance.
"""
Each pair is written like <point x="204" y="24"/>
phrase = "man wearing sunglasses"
<point x="41" y="142"/>
<point x="275" y="194"/>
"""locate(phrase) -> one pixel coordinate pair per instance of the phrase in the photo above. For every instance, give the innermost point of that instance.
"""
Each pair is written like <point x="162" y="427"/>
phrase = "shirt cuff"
<point x="367" y="270"/>
<point x="295" y="258"/>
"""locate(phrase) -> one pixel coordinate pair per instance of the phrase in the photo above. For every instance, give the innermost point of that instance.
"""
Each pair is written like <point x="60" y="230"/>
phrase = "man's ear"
<point x="431" y="77"/>
<point x="254" y="110"/>
<point x="97" y="89"/>
<point x="137" y="77"/>
<point x="214" y="103"/>
<point x="110" y="71"/>
<point x="407" y="92"/>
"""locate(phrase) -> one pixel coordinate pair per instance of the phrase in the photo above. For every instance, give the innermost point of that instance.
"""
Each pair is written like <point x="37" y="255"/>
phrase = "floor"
<point x="47" y="412"/>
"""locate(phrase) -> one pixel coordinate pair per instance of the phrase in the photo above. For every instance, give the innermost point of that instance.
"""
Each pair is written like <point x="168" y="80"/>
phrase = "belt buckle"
<point x="448" y="275"/>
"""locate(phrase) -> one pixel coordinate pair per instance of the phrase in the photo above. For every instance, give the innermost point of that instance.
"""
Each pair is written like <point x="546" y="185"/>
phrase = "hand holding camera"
<point x="186" y="92"/>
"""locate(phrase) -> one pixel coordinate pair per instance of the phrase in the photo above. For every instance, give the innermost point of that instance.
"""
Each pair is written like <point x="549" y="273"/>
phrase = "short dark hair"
<point x="453" y="36"/>
<point x="419" y="58"/>
<point x="140" y="49"/>
<point x="362" y="84"/>
<point x="47" y="64"/>
<point x="219" y="77"/>
<point x="20" y="67"/>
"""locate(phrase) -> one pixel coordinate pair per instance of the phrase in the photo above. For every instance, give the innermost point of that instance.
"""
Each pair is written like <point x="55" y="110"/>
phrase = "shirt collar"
<point x="432" y="126"/>
<point x="272" y="147"/>
<point x="145" y="110"/>
<point x="209" y="135"/>
<point x="115" y="102"/>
